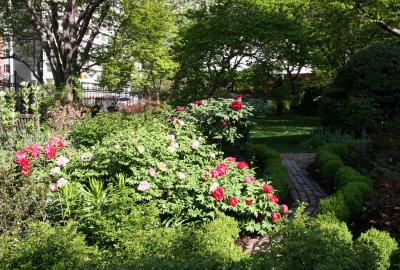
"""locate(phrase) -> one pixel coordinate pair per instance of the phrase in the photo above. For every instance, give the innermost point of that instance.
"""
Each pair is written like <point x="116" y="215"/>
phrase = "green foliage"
<point x="274" y="170"/>
<point x="374" y="249"/>
<point x="92" y="130"/>
<point x="175" y="161"/>
<point x="347" y="174"/>
<point x="324" y="243"/>
<point x="353" y="198"/>
<point x="221" y="124"/>
<point x="319" y="137"/>
<point x="21" y="199"/>
<point x="334" y="205"/>
<point x="329" y="169"/>
<point x="365" y="94"/>
<point x="323" y="157"/>
<point x="44" y="247"/>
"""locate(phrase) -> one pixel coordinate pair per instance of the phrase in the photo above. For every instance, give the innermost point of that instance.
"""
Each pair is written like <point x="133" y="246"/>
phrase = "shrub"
<point x="339" y="149"/>
<point x="173" y="166"/>
<point x="46" y="247"/>
<point x="374" y="249"/>
<point x="329" y="169"/>
<point x="91" y="130"/>
<point x="320" y="137"/>
<point x="274" y="170"/>
<point x="323" y="156"/>
<point x="334" y="205"/>
<point x="222" y="121"/>
<point x="353" y="197"/>
<point x="347" y="175"/>
<point x="324" y="243"/>
<point x="365" y="92"/>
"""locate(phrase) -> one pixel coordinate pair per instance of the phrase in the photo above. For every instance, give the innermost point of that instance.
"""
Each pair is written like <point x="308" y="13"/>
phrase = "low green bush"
<point x="45" y="247"/>
<point x="339" y="149"/>
<point x="274" y="170"/>
<point x="329" y="169"/>
<point x="347" y="175"/>
<point x="320" y="137"/>
<point x="324" y="243"/>
<point x="323" y="156"/>
<point x="353" y="197"/>
<point x="334" y="205"/>
<point x="374" y="249"/>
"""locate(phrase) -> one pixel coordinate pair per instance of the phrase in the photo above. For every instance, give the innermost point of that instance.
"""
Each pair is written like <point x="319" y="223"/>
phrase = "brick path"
<point x="301" y="187"/>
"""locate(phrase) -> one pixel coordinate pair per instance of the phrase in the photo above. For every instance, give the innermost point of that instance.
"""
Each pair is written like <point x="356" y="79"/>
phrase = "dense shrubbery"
<point x="352" y="187"/>
<point x="222" y="121"/>
<point x="366" y="92"/>
<point x="320" y="137"/>
<point x="274" y="170"/>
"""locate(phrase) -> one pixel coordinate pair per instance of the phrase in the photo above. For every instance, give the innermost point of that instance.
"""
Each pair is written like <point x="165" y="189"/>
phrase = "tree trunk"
<point x="69" y="88"/>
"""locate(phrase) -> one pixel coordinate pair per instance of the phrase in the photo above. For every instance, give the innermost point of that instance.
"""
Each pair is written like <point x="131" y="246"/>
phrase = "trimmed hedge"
<point x="352" y="187"/>
<point x="274" y="170"/>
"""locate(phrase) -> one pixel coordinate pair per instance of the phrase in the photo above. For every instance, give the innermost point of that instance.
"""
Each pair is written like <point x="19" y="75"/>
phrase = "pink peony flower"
<point x="181" y="176"/>
<point x="61" y="161"/>
<point x="238" y="98"/>
<point x="162" y="166"/>
<point x="233" y="201"/>
<point x="152" y="172"/>
<point x="222" y="168"/>
<point x="171" y="137"/>
<point x="50" y="151"/>
<point x="62" y="182"/>
<point x="140" y="149"/>
<point x="274" y="199"/>
<point x="267" y="188"/>
<point x="195" y="144"/>
<point x="197" y="102"/>
<point x="143" y="186"/>
<point x="230" y="159"/>
<point x="53" y="187"/>
<point x="275" y="217"/>
<point x="242" y="165"/>
<point x="55" y="171"/>
<point x="25" y="170"/>
<point x="19" y="156"/>
<point x="60" y="144"/>
<point x="34" y="150"/>
<point x="215" y="173"/>
<point x="284" y="209"/>
<point x="171" y="118"/>
<point x="213" y="187"/>
<point x="250" y="179"/>
<point x="180" y="109"/>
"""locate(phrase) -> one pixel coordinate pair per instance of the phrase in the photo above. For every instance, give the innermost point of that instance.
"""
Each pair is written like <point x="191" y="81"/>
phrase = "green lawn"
<point x="284" y="133"/>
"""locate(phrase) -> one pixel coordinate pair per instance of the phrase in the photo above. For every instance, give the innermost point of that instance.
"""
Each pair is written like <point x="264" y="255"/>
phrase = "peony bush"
<point x="222" y="120"/>
<point x="172" y="165"/>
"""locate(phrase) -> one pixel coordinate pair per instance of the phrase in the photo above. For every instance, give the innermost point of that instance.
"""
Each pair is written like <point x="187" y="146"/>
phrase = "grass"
<point x="285" y="134"/>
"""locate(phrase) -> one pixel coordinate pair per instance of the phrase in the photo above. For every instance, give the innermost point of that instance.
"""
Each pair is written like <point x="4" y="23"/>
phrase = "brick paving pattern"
<point x="301" y="188"/>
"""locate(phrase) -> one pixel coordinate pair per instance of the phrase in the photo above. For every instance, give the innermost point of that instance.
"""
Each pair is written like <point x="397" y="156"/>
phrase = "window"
<point x="6" y="68"/>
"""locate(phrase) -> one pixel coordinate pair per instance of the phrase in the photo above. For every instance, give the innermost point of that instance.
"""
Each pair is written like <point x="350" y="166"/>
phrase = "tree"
<point x="233" y="35"/>
<point x="66" y="30"/>
<point x="143" y="47"/>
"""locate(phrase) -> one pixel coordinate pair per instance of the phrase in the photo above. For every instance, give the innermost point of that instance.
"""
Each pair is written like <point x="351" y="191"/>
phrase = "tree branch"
<point x="36" y="75"/>
<point x="389" y="29"/>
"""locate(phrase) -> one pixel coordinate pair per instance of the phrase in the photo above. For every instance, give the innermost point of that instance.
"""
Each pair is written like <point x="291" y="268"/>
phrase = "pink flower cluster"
<point x="218" y="192"/>
<point x="33" y="151"/>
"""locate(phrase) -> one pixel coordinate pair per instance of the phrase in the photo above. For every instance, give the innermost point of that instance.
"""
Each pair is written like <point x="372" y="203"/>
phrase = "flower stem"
<point x="61" y="206"/>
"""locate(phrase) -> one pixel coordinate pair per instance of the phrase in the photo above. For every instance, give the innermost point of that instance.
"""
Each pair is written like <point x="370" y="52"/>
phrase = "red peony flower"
<point x="250" y="179"/>
<point x="180" y="109"/>
<point x="275" y="217"/>
<point x="218" y="193"/>
<point x="214" y="173"/>
<point x="222" y="168"/>
<point x="238" y="98"/>
<point x="60" y="144"/>
<point x="230" y="159"/>
<point x="274" y="199"/>
<point x="267" y="188"/>
<point x="20" y="155"/>
<point x="248" y="201"/>
<point x="284" y="209"/>
<point x="233" y="201"/>
<point x="237" y="106"/>
<point x="242" y="165"/>
<point x="197" y="102"/>
<point x="224" y="125"/>
<point x="171" y="118"/>
<point x="25" y="170"/>
<point x="50" y="151"/>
